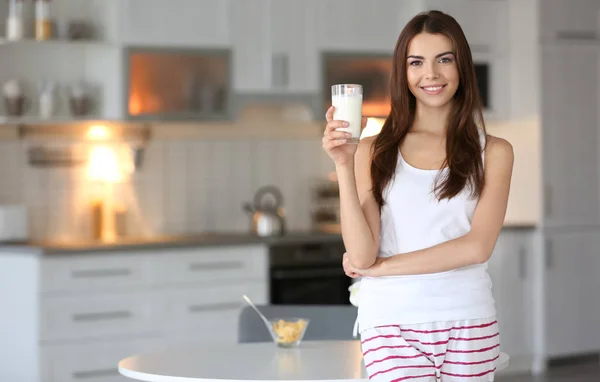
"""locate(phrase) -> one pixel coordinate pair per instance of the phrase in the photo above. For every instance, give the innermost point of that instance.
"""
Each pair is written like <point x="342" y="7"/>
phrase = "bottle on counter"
<point x="15" y="23"/>
<point x="43" y="22"/>
<point x="47" y="102"/>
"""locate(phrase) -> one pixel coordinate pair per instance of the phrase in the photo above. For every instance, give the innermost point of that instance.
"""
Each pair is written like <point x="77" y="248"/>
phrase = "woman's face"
<point x="431" y="69"/>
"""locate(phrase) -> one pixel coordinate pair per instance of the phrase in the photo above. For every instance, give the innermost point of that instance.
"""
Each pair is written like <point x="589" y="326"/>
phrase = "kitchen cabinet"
<point x="510" y="268"/>
<point x="359" y="26"/>
<point x="523" y="71"/>
<point x="569" y="91"/>
<point x="483" y="22"/>
<point x="569" y="20"/>
<point x="250" y="32"/>
<point x="274" y="45"/>
<point x="295" y="57"/>
<point x="73" y="317"/>
<point x="96" y="363"/>
<point x="181" y="23"/>
<point x="572" y="299"/>
<point x="177" y="84"/>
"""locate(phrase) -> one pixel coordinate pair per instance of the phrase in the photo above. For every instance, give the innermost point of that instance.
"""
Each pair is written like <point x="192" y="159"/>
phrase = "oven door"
<point x="310" y="286"/>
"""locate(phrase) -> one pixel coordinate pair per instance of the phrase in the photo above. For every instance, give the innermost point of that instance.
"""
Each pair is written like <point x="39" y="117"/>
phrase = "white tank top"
<point x="412" y="219"/>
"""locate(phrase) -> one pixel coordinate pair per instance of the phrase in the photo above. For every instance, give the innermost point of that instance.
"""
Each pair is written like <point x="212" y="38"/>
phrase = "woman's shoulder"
<point x="498" y="150"/>
<point x="365" y="147"/>
<point x="367" y="141"/>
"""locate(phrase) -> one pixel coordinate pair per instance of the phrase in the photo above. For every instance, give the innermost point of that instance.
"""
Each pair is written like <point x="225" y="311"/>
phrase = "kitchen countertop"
<point x="208" y="239"/>
<point x="166" y="242"/>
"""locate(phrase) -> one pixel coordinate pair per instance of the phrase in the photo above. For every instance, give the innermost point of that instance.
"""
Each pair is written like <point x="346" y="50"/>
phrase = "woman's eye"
<point x="415" y="63"/>
<point x="445" y="60"/>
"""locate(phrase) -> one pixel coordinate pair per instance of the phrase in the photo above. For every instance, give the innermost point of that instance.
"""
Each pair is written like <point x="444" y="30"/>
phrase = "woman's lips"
<point x="433" y="90"/>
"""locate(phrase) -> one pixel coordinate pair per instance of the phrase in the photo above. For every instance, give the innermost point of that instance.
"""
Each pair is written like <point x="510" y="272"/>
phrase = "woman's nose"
<point x="432" y="72"/>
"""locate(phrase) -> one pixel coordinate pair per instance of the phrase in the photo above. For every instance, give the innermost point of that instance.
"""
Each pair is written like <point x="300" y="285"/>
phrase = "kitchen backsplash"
<point x="184" y="186"/>
<point x="196" y="178"/>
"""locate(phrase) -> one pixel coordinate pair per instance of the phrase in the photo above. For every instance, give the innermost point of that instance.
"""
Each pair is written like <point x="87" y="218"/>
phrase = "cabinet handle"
<point x="100" y="273"/>
<point x="576" y="35"/>
<point x="548" y="200"/>
<point x="210" y="307"/>
<point x="101" y="316"/>
<point x="95" y="373"/>
<point x="280" y="76"/>
<point x="522" y="264"/>
<point x="216" y="266"/>
<point x="549" y="255"/>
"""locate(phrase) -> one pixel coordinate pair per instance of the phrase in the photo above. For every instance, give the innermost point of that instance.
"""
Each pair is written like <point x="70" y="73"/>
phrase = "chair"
<point x="327" y="322"/>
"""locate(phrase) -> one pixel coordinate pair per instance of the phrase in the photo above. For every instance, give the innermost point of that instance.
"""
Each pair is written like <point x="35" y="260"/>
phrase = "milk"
<point x="348" y="108"/>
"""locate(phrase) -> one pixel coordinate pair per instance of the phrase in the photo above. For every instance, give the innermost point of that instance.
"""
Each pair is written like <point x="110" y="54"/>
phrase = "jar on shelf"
<point x="43" y="22"/>
<point x="15" y="24"/>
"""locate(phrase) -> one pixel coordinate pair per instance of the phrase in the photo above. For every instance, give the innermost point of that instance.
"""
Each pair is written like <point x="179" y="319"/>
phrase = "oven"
<point x="308" y="274"/>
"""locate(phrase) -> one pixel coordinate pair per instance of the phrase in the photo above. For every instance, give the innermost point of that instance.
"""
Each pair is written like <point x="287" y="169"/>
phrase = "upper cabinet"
<point x="357" y="25"/>
<point x="274" y="45"/>
<point x="483" y="21"/>
<point x="276" y="48"/>
<point x="295" y="60"/>
<point x="570" y="135"/>
<point x="251" y="34"/>
<point x="189" y="23"/>
<point x="177" y="83"/>
<point x="569" y="20"/>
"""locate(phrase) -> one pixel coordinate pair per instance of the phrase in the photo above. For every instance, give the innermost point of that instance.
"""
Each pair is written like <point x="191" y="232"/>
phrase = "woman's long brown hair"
<point x="463" y="149"/>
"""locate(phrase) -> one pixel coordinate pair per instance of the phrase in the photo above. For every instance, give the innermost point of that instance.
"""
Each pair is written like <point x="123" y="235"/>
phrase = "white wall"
<point x="524" y="200"/>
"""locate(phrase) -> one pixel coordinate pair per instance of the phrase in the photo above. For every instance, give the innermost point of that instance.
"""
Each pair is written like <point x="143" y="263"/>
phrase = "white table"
<point x="333" y="361"/>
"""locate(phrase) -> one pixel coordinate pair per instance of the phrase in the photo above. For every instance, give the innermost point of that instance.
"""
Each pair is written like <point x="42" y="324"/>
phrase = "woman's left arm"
<point x="473" y="248"/>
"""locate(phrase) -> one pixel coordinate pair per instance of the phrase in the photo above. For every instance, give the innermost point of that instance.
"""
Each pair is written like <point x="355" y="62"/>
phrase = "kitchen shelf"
<point x="57" y="42"/>
<point x="33" y="120"/>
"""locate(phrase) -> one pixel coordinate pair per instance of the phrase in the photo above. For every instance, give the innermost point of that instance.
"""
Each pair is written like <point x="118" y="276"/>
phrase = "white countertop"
<point x="331" y="361"/>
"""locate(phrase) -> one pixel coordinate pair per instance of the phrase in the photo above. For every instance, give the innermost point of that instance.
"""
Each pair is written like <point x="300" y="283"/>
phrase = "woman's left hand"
<point x="354" y="272"/>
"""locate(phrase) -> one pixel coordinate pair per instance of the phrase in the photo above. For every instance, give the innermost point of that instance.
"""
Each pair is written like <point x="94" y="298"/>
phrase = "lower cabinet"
<point x="92" y="310"/>
<point x="510" y="268"/>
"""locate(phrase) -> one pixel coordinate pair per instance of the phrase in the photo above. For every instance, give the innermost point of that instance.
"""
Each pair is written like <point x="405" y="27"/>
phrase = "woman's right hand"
<point x="334" y="142"/>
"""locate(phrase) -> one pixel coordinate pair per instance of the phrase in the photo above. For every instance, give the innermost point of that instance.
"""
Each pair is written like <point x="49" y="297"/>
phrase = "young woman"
<point x="422" y="205"/>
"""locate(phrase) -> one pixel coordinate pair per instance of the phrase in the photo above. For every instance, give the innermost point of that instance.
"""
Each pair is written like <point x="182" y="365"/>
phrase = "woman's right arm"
<point x="358" y="209"/>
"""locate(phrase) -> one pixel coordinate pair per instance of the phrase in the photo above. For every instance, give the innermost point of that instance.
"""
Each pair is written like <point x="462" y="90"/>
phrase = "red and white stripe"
<point x="447" y="351"/>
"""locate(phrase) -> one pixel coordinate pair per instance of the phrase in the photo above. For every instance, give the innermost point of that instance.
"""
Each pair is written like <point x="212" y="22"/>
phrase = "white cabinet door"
<point x="209" y="316"/>
<point x="189" y="23"/>
<point x="295" y="58"/>
<point x="92" y="362"/>
<point x="483" y="22"/>
<point x="251" y="36"/>
<point x="214" y="265"/>
<point x="116" y="314"/>
<point x="572" y="298"/>
<point x="510" y="271"/>
<point x="567" y="20"/>
<point x="358" y="25"/>
<point x="569" y="89"/>
<point x="96" y="272"/>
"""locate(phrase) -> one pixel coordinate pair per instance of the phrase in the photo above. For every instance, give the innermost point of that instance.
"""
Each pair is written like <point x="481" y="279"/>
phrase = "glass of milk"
<point x="347" y="100"/>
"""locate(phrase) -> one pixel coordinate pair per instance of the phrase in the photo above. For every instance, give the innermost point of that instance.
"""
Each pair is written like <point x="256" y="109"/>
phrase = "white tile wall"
<point x="184" y="186"/>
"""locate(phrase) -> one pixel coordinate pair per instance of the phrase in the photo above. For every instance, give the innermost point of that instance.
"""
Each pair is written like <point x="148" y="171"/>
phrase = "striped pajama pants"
<point x="452" y="351"/>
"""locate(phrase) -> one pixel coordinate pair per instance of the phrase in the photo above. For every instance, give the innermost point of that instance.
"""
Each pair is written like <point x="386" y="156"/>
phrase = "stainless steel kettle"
<point x="267" y="217"/>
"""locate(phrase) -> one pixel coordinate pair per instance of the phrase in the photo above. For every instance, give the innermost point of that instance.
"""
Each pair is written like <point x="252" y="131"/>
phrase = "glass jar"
<point x="43" y="23"/>
<point x="15" y="26"/>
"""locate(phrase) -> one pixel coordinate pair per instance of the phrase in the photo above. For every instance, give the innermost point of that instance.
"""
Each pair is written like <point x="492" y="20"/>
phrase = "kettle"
<point x="266" y="214"/>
